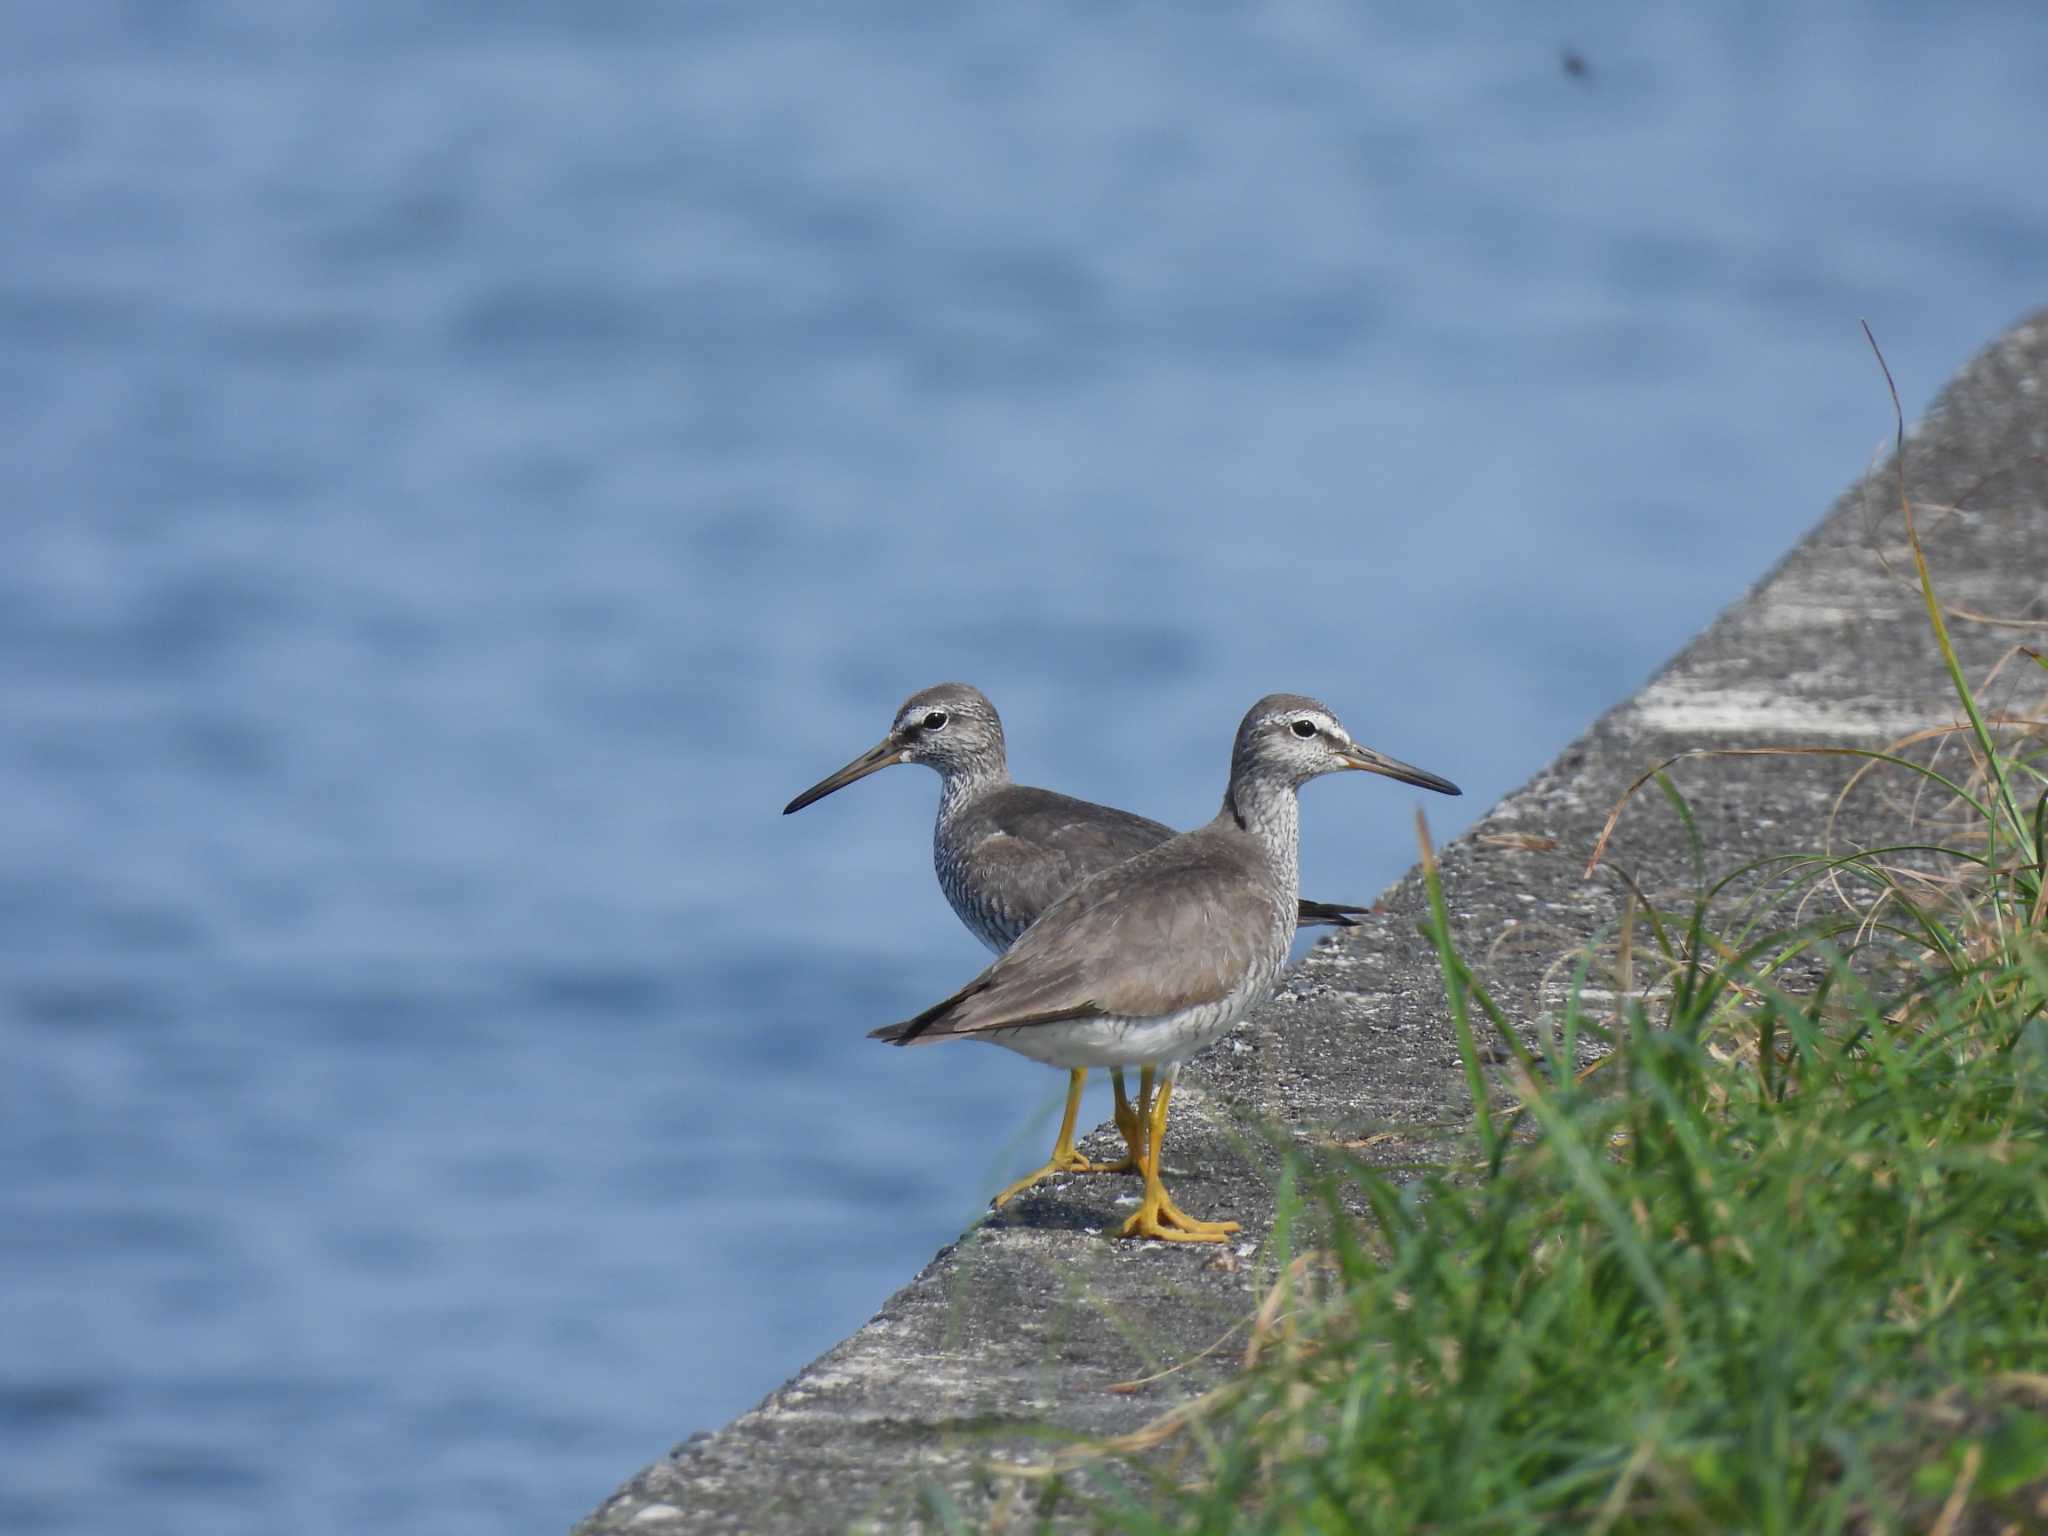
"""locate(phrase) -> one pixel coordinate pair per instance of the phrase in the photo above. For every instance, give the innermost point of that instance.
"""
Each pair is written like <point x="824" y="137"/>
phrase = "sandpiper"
<point x="1005" y="852"/>
<point x="1150" y="961"/>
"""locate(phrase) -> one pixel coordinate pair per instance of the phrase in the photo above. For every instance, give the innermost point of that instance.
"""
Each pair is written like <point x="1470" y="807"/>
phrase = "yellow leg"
<point x="1065" y="1159"/>
<point x="1157" y="1216"/>
<point x="1130" y="1122"/>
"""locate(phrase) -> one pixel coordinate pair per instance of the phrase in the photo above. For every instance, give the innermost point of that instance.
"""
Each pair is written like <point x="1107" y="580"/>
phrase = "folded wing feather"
<point x="1174" y="928"/>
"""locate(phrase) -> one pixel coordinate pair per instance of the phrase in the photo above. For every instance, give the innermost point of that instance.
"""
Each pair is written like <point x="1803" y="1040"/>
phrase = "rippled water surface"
<point x="466" y="466"/>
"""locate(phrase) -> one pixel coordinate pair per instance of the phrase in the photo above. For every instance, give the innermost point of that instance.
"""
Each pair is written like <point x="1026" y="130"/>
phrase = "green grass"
<point x="1779" y="1263"/>
<point x="1715" y="1290"/>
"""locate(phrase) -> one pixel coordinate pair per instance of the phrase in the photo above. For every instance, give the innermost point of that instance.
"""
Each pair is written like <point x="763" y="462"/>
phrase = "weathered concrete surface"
<point x="1031" y="1317"/>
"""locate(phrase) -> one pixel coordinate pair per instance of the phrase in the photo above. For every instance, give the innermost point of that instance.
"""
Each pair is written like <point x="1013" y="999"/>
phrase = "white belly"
<point x="1116" y="1041"/>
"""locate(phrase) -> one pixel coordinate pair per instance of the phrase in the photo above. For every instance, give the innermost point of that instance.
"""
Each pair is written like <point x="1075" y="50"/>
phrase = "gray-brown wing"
<point x="1173" y="928"/>
<point x="1029" y="847"/>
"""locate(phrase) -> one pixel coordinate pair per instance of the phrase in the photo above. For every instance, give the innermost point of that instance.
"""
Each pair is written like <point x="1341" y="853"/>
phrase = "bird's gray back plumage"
<point x="1005" y="855"/>
<point x="1193" y="921"/>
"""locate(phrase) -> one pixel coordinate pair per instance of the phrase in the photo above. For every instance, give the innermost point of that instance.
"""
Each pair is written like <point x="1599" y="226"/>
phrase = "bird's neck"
<point x="963" y="784"/>
<point x="1269" y="813"/>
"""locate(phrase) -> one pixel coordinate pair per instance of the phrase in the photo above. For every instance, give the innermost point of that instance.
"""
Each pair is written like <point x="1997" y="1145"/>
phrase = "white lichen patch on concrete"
<point x="1776" y="617"/>
<point x="1679" y="706"/>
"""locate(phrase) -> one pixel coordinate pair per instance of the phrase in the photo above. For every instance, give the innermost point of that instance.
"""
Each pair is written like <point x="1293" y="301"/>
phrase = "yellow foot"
<point x="1166" y="1222"/>
<point x="1071" y="1162"/>
<point x="1174" y="1215"/>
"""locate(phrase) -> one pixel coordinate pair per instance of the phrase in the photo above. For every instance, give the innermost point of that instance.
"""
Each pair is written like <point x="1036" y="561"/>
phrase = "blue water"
<point x="465" y="466"/>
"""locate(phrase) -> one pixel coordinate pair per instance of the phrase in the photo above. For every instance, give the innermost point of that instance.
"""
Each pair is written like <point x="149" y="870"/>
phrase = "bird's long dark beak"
<point x="876" y="758"/>
<point x="1369" y="761"/>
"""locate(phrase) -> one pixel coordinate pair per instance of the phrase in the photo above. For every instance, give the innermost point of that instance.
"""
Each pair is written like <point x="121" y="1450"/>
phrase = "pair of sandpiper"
<point x="1118" y="942"/>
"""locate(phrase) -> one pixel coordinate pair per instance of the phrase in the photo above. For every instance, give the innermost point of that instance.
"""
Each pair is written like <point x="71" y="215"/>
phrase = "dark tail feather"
<point x="909" y="1030"/>
<point x="1328" y="914"/>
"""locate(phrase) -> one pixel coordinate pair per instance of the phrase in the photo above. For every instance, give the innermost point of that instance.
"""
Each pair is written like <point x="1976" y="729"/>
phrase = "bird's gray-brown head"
<point x="950" y="727"/>
<point x="1289" y="738"/>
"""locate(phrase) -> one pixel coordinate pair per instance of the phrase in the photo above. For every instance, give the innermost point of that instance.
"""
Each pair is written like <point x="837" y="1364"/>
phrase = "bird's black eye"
<point x="935" y="721"/>
<point x="1304" y="729"/>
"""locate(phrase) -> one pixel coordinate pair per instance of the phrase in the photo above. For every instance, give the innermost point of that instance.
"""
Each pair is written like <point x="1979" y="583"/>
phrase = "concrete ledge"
<point x="1029" y="1320"/>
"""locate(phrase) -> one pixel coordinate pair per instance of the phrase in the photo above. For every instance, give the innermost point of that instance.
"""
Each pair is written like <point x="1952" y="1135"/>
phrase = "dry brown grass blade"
<point x="1614" y="816"/>
<point x="1992" y="619"/>
<point x="1967" y="497"/>
<point x="1616" y="1503"/>
<point x="1170" y="1423"/>
<point x="2003" y="800"/>
<point x="1517" y="842"/>
<point x="1941" y="734"/>
<point x="1360" y="1143"/>
<point x="1138" y="1383"/>
<point x="1952" y="610"/>
<point x="1872" y="758"/>
<point x="1177" y="1419"/>
<point x="1270" y="1313"/>
<point x="1148" y="1437"/>
<point x="1959" y="1496"/>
